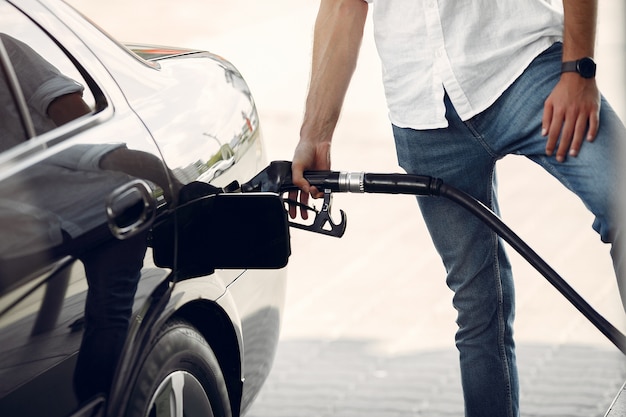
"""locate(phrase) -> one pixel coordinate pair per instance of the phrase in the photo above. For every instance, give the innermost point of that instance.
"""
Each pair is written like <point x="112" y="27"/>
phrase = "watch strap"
<point x="569" y="66"/>
<point x="585" y="67"/>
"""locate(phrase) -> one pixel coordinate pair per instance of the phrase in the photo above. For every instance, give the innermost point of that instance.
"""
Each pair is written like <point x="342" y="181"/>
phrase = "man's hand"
<point x="571" y="115"/>
<point x="572" y="110"/>
<point x="309" y="155"/>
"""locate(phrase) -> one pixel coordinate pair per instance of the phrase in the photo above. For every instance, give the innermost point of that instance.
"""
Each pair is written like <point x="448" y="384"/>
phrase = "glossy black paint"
<point x="81" y="295"/>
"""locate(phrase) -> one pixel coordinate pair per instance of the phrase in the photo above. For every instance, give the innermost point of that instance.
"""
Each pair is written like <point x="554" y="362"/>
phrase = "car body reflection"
<point x="83" y="304"/>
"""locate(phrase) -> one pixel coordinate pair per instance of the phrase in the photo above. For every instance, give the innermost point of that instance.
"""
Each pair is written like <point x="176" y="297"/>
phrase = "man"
<point x="468" y="82"/>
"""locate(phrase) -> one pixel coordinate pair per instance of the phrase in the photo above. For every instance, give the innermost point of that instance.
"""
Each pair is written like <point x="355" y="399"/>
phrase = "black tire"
<point x="179" y="377"/>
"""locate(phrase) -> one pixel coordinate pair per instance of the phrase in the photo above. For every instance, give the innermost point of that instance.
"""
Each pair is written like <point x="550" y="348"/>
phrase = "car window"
<point x="40" y="87"/>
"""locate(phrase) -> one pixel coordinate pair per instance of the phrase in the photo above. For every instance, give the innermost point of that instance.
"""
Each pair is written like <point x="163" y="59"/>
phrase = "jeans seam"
<point x="480" y="139"/>
<point x="501" y="347"/>
<point x="545" y="164"/>
<point x="500" y="294"/>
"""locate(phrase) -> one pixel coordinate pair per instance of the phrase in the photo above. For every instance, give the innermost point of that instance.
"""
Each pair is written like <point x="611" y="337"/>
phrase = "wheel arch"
<point x="216" y="326"/>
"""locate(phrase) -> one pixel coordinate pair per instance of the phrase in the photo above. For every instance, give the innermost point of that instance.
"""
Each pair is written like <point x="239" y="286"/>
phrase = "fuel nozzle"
<point x="276" y="177"/>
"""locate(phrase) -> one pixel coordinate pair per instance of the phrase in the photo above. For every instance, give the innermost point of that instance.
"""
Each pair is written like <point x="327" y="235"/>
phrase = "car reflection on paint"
<point x="119" y="291"/>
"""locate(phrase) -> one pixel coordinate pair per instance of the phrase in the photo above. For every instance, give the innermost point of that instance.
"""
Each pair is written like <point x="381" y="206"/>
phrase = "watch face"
<point x="587" y="68"/>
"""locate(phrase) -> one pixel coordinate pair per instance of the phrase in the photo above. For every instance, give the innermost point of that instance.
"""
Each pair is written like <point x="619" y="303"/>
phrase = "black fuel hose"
<point x="489" y="218"/>
<point x="277" y="178"/>
<point x="428" y="186"/>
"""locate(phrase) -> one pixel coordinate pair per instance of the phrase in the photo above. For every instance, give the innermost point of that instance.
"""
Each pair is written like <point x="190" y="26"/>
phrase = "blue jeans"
<point x="113" y="269"/>
<point x="478" y="271"/>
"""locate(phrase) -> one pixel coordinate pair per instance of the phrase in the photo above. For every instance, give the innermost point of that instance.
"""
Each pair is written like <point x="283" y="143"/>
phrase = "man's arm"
<point x="143" y="165"/>
<point x="66" y="108"/>
<point x="572" y="110"/>
<point x="337" y="39"/>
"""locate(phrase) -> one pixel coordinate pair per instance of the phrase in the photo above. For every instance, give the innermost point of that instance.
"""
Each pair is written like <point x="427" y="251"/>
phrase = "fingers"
<point x="566" y="132"/>
<point x="305" y="190"/>
<point x="594" y="125"/>
<point x="570" y="116"/>
<point x="547" y="127"/>
<point x="567" y="136"/>
<point x="577" y="138"/>
<point x="297" y="177"/>
<point x="309" y="155"/>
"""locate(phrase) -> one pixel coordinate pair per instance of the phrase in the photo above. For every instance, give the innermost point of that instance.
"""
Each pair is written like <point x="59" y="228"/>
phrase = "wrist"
<point x="315" y="131"/>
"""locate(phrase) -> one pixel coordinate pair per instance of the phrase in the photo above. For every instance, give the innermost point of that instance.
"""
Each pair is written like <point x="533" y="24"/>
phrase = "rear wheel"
<point x="180" y="377"/>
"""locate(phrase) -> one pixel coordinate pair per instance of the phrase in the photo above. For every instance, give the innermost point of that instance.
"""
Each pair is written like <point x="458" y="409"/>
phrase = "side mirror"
<point x="224" y="231"/>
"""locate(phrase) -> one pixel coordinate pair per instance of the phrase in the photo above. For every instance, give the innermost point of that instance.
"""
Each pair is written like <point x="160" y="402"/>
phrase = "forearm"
<point x="337" y="39"/>
<point x="142" y="165"/>
<point x="66" y="108"/>
<point x="579" y="34"/>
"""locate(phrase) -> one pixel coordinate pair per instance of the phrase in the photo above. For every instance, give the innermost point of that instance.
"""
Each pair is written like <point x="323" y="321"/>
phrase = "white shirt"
<point x="472" y="49"/>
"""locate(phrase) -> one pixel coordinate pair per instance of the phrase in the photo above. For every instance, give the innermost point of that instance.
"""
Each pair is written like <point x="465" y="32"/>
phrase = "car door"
<point x="81" y="183"/>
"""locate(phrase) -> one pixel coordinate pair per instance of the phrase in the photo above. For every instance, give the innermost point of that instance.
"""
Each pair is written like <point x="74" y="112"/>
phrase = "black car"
<point x="128" y="285"/>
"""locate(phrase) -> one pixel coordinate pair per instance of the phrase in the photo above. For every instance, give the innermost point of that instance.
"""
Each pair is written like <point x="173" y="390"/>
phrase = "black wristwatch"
<point x="586" y="67"/>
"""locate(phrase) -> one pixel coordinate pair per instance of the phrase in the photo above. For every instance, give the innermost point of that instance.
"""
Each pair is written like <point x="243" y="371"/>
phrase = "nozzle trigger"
<point x="323" y="222"/>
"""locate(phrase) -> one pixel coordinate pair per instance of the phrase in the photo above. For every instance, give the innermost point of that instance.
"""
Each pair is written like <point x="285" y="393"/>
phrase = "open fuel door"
<point x="224" y="231"/>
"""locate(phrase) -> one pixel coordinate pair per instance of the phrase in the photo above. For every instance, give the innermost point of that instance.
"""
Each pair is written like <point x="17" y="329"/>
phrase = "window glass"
<point x="51" y="89"/>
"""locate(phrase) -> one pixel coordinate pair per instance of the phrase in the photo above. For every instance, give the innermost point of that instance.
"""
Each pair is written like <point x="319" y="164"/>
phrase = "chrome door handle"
<point x="130" y="209"/>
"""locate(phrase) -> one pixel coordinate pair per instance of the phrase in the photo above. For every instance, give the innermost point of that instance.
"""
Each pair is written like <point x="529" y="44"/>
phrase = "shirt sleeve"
<point x="84" y="157"/>
<point x="52" y="89"/>
<point x="41" y="82"/>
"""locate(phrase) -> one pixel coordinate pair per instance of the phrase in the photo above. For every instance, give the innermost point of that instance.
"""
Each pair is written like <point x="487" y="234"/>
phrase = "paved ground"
<point x="369" y="324"/>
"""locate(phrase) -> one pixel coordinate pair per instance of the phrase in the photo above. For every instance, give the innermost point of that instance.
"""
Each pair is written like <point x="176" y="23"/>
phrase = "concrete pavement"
<point x="369" y="325"/>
